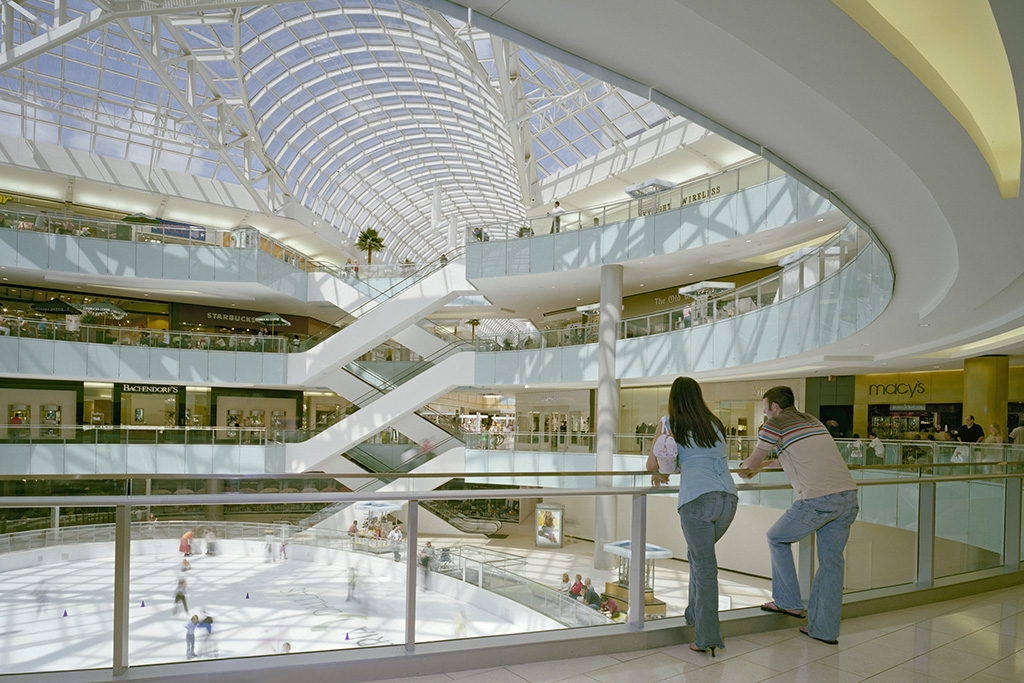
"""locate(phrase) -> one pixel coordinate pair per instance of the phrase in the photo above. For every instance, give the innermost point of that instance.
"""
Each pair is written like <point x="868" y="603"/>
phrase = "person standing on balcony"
<point x="707" y="501"/>
<point x="826" y="505"/>
<point x="971" y="432"/>
<point x="556" y="218"/>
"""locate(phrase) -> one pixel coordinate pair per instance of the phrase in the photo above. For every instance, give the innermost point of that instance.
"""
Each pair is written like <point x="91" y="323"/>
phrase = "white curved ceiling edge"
<point x="804" y="80"/>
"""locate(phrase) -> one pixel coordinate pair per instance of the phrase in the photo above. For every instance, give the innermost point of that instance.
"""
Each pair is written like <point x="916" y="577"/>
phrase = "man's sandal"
<point x="772" y="607"/>
<point x="803" y="630"/>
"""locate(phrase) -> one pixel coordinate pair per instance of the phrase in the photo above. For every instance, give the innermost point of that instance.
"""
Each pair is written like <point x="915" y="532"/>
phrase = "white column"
<point x="607" y="424"/>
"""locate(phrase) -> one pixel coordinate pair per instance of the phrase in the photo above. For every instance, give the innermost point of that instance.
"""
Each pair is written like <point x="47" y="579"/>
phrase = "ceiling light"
<point x="924" y="324"/>
<point x="821" y="220"/>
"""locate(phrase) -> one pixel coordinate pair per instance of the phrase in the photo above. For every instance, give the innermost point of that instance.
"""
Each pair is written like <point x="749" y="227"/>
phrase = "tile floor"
<point x="977" y="639"/>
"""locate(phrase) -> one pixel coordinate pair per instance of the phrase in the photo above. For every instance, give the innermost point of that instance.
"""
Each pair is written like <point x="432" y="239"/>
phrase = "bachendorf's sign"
<point x="148" y="389"/>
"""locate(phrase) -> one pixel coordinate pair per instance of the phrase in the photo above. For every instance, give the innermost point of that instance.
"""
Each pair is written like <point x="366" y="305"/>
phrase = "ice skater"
<point x="461" y="623"/>
<point x="211" y="542"/>
<point x="179" y="596"/>
<point x="190" y="636"/>
<point x="208" y="647"/>
<point x="353" y="579"/>
<point x="269" y="535"/>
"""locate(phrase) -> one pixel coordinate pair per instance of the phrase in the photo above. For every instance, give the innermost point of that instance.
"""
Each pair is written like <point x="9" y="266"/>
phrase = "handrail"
<point x="686" y="194"/>
<point x="705" y="309"/>
<point x="188" y="234"/>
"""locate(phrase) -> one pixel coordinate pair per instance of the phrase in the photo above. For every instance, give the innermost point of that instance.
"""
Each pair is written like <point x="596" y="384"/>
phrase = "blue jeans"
<point x="830" y="518"/>
<point x="705" y="520"/>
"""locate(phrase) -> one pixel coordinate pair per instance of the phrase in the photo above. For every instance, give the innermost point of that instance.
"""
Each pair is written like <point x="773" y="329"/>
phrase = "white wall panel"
<point x="176" y="262"/>
<point x="134" y="363"/>
<point x="35" y="357"/>
<point x="121" y="258"/>
<point x="16" y="459"/>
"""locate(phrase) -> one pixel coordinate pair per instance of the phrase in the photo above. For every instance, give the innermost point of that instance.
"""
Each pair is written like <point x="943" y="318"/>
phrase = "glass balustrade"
<point x="256" y="554"/>
<point x="718" y="185"/>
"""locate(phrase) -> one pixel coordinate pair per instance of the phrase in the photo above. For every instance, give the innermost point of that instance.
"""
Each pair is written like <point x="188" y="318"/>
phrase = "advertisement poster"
<point x="549" y="526"/>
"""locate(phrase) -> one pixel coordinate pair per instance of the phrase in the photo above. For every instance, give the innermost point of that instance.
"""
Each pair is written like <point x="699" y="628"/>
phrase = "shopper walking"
<point x="707" y="502"/>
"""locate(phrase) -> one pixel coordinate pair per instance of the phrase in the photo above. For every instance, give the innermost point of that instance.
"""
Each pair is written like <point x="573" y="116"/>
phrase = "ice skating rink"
<point x="257" y="607"/>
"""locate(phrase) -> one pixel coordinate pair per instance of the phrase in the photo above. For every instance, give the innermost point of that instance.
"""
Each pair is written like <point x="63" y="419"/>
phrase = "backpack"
<point x="665" y="449"/>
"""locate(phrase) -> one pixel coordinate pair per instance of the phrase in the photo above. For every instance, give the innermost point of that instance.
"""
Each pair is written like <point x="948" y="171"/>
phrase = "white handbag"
<point x="665" y="449"/>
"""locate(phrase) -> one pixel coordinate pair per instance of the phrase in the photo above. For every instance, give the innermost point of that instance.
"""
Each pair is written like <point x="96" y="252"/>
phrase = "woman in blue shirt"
<point x="707" y="502"/>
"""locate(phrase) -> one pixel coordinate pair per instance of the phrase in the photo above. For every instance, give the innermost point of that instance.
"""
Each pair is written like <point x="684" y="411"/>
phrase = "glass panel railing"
<point x="27" y="433"/>
<point x="746" y="174"/>
<point x="271" y="584"/>
<point x="792" y="280"/>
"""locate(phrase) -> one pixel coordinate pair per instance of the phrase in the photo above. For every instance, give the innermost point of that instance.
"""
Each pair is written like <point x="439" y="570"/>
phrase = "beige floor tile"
<point x="897" y="675"/>
<point x="654" y="667"/>
<point x="626" y="656"/>
<point x="582" y="678"/>
<point x="1011" y="668"/>
<point x="727" y="671"/>
<point x="984" y="678"/>
<point x="790" y="654"/>
<point x="887" y="621"/>
<point x="957" y="624"/>
<point x="496" y="675"/>
<point x="990" y="644"/>
<point x="864" y="660"/>
<point x="767" y="638"/>
<point x="433" y="678"/>
<point x="913" y="640"/>
<point x="815" y="673"/>
<point x="559" y="669"/>
<point x="946" y="665"/>
<point x="734" y="647"/>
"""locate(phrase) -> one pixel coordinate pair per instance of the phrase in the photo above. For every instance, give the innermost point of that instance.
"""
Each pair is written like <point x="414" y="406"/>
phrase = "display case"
<point x="17" y="415"/>
<point x="51" y="421"/>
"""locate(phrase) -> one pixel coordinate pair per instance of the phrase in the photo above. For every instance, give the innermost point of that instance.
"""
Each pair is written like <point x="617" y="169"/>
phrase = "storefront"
<point x="39" y="410"/>
<point x="242" y="410"/>
<point x="909" y="405"/>
<point x="196" y="318"/>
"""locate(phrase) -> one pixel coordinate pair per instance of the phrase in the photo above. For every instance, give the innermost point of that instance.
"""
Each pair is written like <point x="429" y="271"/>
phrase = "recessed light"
<point x="865" y="344"/>
<point x="884" y="363"/>
<point x="821" y="220"/>
<point x="924" y="324"/>
<point x="641" y="285"/>
<point x="936" y="367"/>
<point x="690" y="275"/>
<point x="748" y="240"/>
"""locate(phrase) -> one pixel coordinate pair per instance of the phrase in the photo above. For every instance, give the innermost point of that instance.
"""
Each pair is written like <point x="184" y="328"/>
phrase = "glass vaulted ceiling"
<point x="354" y="108"/>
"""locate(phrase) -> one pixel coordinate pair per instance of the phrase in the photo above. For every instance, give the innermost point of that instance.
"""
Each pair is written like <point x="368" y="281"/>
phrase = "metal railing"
<point x="810" y="270"/>
<point x="925" y="529"/>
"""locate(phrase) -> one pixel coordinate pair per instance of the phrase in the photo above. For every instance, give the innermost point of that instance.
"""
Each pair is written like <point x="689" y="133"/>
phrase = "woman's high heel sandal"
<point x="710" y="648"/>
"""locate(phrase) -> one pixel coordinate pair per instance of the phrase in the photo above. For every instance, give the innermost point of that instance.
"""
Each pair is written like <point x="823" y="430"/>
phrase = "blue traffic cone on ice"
<point x="346" y="635"/>
<point x="143" y="604"/>
<point x="65" y="612"/>
<point x="246" y="596"/>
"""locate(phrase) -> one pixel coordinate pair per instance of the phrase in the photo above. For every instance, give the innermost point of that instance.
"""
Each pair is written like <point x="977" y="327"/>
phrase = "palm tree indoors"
<point x="369" y="240"/>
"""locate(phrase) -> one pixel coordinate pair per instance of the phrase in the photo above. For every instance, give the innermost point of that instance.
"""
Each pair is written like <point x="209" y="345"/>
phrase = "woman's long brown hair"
<point x="691" y="420"/>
